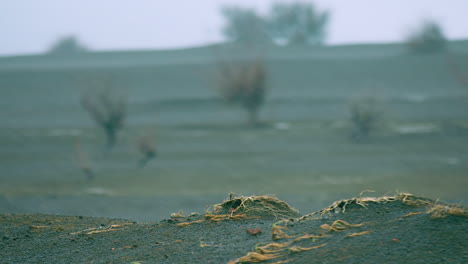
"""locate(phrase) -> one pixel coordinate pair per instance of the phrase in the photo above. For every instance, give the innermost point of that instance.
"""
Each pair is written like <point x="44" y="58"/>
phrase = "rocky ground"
<point x="391" y="229"/>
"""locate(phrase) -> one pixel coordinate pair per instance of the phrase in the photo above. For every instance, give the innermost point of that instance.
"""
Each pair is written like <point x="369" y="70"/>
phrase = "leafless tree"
<point x="365" y="115"/>
<point x="244" y="25"/>
<point x="147" y="147"/>
<point x="458" y="67"/>
<point x="83" y="161"/>
<point x="67" y="46"/>
<point x="297" y="23"/>
<point x="244" y="82"/>
<point x="108" y="111"/>
<point x="428" y="38"/>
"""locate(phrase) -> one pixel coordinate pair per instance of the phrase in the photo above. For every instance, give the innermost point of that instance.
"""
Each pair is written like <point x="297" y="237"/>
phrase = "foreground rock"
<point x="397" y="229"/>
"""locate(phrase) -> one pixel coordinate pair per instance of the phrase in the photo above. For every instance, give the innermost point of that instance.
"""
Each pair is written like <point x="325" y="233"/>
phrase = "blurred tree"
<point x="108" y="112"/>
<point x="458" y="66"/>
<point x="245" y="83"/>
<point x="147" y="148"/>
<point x="244" y="25"/>
<point x="83" y="161"/>
<point x="365" y="115"/>
<point x="297" y="23"/>
<point x="428" y="38"/>
<point x="67" y="45"/>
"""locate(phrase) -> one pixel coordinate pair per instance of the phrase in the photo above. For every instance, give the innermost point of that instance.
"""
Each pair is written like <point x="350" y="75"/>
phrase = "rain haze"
<point x="151" y="110"/>
<point x="33" y="26"/>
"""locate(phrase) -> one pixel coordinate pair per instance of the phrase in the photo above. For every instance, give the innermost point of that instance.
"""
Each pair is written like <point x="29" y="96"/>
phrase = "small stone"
<point x="253" y="231"/>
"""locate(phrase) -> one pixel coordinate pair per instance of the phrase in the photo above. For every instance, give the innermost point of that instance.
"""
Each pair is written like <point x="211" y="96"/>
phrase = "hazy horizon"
<point x="32" y="27"/>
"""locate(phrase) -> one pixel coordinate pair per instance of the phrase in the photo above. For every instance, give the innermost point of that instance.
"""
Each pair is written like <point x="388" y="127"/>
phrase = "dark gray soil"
<point x="398" y="233"/>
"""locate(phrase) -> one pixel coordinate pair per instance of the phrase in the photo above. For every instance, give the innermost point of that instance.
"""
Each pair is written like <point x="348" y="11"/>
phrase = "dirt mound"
<point x="259" y="229"/>
<point x="368" y="230"/>
<point x="256" y="206"/>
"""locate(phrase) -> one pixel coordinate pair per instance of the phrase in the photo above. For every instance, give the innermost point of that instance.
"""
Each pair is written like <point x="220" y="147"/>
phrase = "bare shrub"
<point x="297" y="23"/>
<point x="428" y="38"/>
<point x="67" y="46"/>
<point x="244" y="25"/>
<point x="244" y="82"/>
<point x="291" y="23"/>
<point x="365" y="115"/>
<point x="458" y="67"/>
<point x="147" y="148"/>
<point x="108" y="111"/>
<point x="83" y="161"/>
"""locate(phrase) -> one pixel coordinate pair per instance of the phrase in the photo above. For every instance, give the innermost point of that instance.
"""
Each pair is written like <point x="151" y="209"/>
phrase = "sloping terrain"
<point x="390" y="229"/>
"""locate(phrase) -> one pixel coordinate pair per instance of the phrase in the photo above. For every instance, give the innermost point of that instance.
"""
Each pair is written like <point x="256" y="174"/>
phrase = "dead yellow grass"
<point x="296" y="249"/>
<point x="240" y="208"/>
<point x="273" y="250"/>
<point x="97" y="230"/>
<point x="342" y="205"/>
<point x="260" y="206"/>
<point x="273" y="247"/>
<point x="217" y="218"/>
<point x="179" y="214"/>
<point x="444" y="210"/>
<point x="283" y="261"/>
<point x="189" y="223"/>
<point x="293" y="243"/>
<point x="307" y="236"/>
<point x="339" y="225"/>
<point x="254" y="257"/>
<point x="278" y="233"/>
<point x="359" y="234"/>
<point x="411" y="214"/>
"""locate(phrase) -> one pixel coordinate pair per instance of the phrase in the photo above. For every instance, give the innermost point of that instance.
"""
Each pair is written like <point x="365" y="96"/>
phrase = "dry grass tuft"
<point x="179" y="214"/>
<point x="254" y="257"/>
<point x="444" y="210"/>
<point x="298" y="243"/>
<point x="296" y="249"/>
<point x="307" y="236"/>
<point x="359" y="234"/>
<point x="341" y="205"/>
<point x="190" y="223"/>
<point x="244" y="82"/>
<point x="259" y="206"/>
<point x="217" y="218"/>
<point x="278" y="233"/>
<point x="96" y="230"/>
<point x="338" y="225"/>
<point x="273" y="248"/>
<point x="411" y="214"/>
<point x="283" y="261"/>
<point x="412" y="200"/>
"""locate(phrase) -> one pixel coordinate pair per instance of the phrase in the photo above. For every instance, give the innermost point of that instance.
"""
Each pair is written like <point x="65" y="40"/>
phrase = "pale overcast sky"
<point x="31" y="26"/>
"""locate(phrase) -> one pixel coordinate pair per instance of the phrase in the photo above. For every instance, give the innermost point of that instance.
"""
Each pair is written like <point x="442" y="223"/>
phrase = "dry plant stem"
<point x="307" y="236"/>
<point x="442" y="211"/>
<point x="359" y="234"/>
<point x="278" y="233"/>
<point x="217" y="218"/>
<point x="95" y="230"/>
<point x="254" y="257"/>
<point x="296" y="249"/>
<point x="273" y="247"/>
